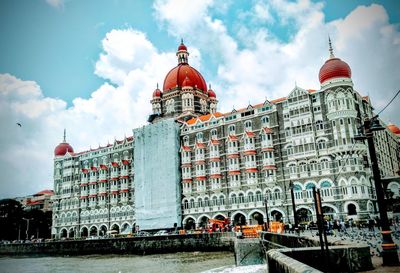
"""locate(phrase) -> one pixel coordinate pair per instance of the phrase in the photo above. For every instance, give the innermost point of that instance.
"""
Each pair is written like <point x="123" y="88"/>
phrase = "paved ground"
<point x="373" y="239"/>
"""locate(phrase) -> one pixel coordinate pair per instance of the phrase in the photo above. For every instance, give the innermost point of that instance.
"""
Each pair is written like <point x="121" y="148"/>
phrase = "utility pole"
<point x="266" y="213"/>
<point x="296" y="228"/>
<point x="389" y="248"/>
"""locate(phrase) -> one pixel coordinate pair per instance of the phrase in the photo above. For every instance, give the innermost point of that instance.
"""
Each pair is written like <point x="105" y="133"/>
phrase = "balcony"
<point x="124" y="186"/>
<point x="234" y="184"/>
<point x="114" y="174"/>
<point x="268" y="161"/>
<point x="187" y="190"/>
<point x="84" y="193"/>
<point x="186" y="160"/>
<point x="214" y="154"/>
<point x="124" y="172"/>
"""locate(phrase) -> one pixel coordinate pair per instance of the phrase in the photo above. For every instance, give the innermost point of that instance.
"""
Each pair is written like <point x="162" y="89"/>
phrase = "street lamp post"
<point x="296" y="228"/>
<point x="266" y="213"/>
<point x="27" y="227"/>
<point x="389" y="248"/>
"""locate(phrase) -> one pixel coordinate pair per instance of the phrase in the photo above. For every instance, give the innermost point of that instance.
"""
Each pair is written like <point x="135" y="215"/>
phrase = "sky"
<point x="91" y="66"/>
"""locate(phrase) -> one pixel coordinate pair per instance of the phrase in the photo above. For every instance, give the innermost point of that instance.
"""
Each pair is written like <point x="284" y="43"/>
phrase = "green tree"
<point x="11" y="214"/>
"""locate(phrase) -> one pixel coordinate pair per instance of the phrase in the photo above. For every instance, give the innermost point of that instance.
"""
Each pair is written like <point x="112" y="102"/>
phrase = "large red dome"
<point x="394" y="129"/>
<point x="334" y="68"/>
<point x="62" y="149"/>
<point x="177" y="75"/>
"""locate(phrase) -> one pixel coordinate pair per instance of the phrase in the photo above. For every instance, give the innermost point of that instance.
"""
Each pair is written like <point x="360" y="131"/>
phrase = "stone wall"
<point x="291" y="253"/>
<point x="138" y="245"/>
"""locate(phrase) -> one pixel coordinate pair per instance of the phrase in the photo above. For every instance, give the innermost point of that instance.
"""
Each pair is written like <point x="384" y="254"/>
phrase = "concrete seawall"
<point x="138" y="245"/>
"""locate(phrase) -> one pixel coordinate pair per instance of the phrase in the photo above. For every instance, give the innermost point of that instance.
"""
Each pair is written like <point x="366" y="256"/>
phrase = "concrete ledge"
<point x="306" y="251"/>
<point x="248" y="252"/>
<point x="139" y="246"/>
<point x="339" y="259"/>
<point x="279" y="262"/>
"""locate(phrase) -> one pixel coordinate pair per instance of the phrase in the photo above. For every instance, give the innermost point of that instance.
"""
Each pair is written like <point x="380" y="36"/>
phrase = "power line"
<point x="388" y="103"/>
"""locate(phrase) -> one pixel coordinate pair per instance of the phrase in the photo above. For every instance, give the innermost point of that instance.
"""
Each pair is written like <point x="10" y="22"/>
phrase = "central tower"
<point x="185" y="94"/>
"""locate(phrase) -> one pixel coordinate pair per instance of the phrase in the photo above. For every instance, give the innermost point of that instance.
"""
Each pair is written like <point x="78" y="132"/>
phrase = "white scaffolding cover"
<point x="157" y="175"/>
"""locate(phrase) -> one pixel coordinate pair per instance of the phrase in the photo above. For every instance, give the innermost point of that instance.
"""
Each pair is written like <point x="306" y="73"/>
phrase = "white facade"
<point x="94" y="191"/>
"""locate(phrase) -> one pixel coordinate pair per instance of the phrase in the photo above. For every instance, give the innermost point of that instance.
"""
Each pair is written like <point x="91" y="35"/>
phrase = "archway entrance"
<point x="190" y="224"/>
<point x="115" y="229"/>
<point x="84" y="232"/>
<point x="351" y="209"/>
<point x="304" y="215"/>
<point x="220" y="217"/>
<point x="103" y="230"/>
<point x="203" y="222"/>
<point x="63" y="233"/>
<point x="239" y="220"/>
<point x="126" y="229"/>
<point x="328" y="212"/>
<point x="256" y="219"/>
<point x="93" y="231"/>
<point x="71" y="233"/>
<point x="276" y="215"/>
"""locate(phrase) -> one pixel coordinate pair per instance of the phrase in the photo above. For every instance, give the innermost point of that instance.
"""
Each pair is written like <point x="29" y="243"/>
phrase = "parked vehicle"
<point x="161" y="233"/>
<point x="142" y="234"/>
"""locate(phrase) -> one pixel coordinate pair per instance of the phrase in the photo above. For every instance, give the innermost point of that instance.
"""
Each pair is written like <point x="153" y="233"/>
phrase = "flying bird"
<point x="19" y="124"/>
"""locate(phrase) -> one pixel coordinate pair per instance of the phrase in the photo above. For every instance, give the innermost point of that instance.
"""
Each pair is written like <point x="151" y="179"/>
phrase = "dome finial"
<point x="157" y="85"/>
<point x="65" y="133"/>
<point x="331" y="55"/>
<point x="181" y="41"/>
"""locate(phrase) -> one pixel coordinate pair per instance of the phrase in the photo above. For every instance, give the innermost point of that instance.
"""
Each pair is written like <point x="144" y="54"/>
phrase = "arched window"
<point x="186" y="140"/>
<point x="199" y="137"/>
<point x="277" y="194"/>
<point x="250" y="197"/>
<point x="258" y="196"/>
<point x="326" y="189"/>
<point x="215" y="201"/>
<point x="214" y="133"/>
<point x="231" y="129"/>
<point x="309" y="190"/>
<point x="233" y="199"/>
<point x="319" y="125"/>
<point x="265" y="121"/>
<point x="321" y="144"/>
<point x="298" y="193"/>
<point x="221" y="200"/>
<point x="248" y="125"/>
<point x="241" y="198"/>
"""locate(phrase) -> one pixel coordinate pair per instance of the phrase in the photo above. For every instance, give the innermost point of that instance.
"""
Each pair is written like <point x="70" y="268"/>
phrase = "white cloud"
<point x="56" y="3"/>
<point x="111" y="111"/>
<point x="265" y="66"/>
<point x="250" y="64"/>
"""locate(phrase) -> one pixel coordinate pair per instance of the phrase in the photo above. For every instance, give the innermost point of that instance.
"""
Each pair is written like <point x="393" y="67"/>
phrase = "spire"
<point x="65" y="139"/>
<point x="209" y="86"/>
<point x="330" y="48"/>
<point x="157" y="86"/>
<point x="182" y="53"/>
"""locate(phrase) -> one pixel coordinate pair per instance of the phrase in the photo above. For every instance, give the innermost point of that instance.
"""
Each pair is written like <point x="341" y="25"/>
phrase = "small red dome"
<point x="62" y="149"/>
<point x="334" y="68"/>
<point x="211" y="94"/>
<point x="187" y="82"/>
<point x="177" y="75"/>
<point x="182" y="47"/>
<point x="394" y="129"/>
<point x="157" y="93"/>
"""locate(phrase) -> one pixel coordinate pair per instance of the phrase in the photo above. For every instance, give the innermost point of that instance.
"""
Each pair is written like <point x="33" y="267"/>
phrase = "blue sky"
<point x="91" y="66"/>
<point x="58" y="46"/>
